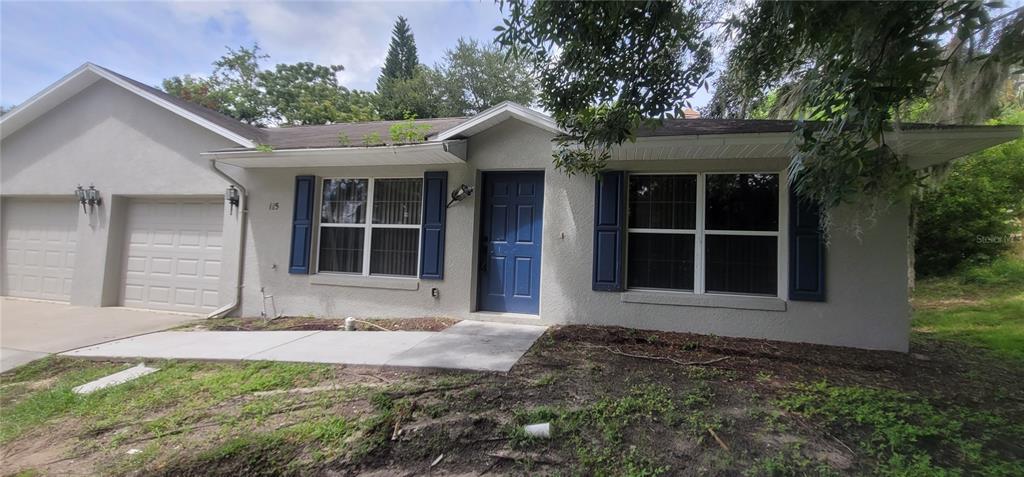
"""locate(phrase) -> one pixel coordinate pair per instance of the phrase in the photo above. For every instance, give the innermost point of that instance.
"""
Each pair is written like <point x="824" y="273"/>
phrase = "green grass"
<point x="906" y="434"/>
<point x="185" y="391"/>
<point x="982" y="306"/>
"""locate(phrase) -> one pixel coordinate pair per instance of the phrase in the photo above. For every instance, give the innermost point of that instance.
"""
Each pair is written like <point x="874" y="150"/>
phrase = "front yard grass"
<point x="951" y="407"/>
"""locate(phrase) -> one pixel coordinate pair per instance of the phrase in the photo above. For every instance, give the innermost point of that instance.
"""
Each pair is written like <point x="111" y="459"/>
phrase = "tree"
<point x="473" y="78"/>
<point x="969" y="215"/>
<point x="290" y="94"/>
<point x="605" y="67"/>
<point x="237" y="75"/>
<point x="416" y="96"/>
<point x="406" y="87"/>
<point x="402" y="61"/>
<point x="307" y="93"/>
<point x="201" y="91"/>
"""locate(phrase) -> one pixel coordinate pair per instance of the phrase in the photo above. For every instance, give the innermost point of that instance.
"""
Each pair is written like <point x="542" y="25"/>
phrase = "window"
<point x="714" y="233"/>
<point x="370" y="226"/>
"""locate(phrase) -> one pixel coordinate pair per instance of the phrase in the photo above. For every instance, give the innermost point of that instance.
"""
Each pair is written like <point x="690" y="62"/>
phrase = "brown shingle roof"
<point x="301" y="137"/>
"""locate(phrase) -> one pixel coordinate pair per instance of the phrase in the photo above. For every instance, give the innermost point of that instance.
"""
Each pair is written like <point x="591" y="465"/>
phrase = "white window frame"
<point x="368" y="225"/>
<point x="700" y="233"/>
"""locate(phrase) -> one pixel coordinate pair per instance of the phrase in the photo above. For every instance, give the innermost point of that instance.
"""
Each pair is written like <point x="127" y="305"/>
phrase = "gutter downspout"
<point x="243" y="211"/>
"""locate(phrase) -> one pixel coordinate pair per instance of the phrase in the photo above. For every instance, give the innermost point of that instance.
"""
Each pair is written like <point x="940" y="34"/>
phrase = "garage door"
<point x="172" y="255"/>
<point x="38" y="243"/>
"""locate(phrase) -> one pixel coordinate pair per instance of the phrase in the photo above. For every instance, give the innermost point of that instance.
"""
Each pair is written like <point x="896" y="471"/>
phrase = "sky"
<point x="40" y="42"/>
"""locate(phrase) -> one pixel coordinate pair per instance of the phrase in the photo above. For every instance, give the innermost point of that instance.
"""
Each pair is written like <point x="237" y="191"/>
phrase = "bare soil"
<point x="466" y="422"/>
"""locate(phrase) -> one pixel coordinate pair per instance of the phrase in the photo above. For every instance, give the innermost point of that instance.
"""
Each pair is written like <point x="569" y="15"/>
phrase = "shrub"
<point x="970" y="217"/>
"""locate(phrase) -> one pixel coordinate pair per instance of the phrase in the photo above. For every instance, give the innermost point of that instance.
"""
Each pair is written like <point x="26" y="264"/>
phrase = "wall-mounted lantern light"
<point x="90" y="197"/>
<point x="80" y="195"/>
<point x="231" y="196"/>
<point x="459" y="194"/>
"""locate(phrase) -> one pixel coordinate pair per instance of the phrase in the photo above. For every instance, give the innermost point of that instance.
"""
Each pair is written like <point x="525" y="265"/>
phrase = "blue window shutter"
<point x="806" y="251"/>
<point x="609" y="228"/>
<point x="302" y="224"/>
<point x="435" y="189"/>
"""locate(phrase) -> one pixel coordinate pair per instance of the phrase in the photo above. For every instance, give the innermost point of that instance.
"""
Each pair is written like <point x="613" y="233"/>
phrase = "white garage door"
<point x="39" y="240"/>
<point x="172" y="255"/>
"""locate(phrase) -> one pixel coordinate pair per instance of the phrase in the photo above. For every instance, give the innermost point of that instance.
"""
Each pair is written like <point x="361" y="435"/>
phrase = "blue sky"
<point x="42" y="41"/>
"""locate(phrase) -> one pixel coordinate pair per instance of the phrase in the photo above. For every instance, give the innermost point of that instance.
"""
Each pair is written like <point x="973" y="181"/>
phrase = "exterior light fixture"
<point x="231" y="196"/>
<point x="80" y="194"/>
<point x="93" y="197"/>
<point x="459" y="194"/>
<point x="90" y="197"/>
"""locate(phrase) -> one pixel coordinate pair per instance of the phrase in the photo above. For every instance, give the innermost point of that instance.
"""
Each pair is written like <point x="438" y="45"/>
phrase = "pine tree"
<point x="402" y="60"/>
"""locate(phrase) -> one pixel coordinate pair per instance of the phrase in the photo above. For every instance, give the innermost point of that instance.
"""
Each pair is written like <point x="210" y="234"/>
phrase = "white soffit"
<point x="80" y="79"/>
<point x="496" y="115"/>
<point x="449" y="152"/>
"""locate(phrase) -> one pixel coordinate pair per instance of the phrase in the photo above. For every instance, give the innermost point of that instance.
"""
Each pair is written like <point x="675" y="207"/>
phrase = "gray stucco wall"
<point x="866" y="276"/>
<point x="126" y="146"/>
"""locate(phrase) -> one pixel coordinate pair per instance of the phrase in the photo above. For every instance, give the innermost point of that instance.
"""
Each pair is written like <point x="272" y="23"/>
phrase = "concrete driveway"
<point x="30" y="330"/>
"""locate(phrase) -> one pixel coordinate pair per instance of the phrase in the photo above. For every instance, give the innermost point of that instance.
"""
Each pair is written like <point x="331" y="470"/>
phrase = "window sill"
<point x="705" y="300"/>
<point x="361" y="281"/>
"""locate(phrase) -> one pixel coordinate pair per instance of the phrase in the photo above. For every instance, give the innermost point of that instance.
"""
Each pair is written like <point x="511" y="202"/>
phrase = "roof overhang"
<point x="80" y="79"/>
<point x="446" y="152"/>
<point x="496" y="115"/>
<point x="920" y="148"/>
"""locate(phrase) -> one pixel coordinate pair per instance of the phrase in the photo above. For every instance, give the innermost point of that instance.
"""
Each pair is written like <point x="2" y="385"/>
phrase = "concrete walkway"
<point x="471" y="345"/>
<point x="30" y="330"/>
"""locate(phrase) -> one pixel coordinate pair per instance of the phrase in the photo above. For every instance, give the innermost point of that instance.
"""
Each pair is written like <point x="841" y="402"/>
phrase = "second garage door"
<point x="173" y="255"/>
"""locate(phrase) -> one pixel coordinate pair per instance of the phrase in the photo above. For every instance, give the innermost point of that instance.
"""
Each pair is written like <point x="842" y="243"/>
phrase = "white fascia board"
<point x="81" y="78"/>
<point x="449" y="152"/>
<point x="496" y="115"/>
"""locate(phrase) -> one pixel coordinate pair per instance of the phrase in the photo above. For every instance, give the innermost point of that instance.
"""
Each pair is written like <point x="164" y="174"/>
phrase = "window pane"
<point x="741" y="264"/>
<point x="341" y="249"/>
<point x="742" y="202"/>
<point x="344" y="201"/>
<point x="397" y="201"/>
<point x="663" y="202"/>
<point x="660" y="261"/>
<point x="394" y="251"/>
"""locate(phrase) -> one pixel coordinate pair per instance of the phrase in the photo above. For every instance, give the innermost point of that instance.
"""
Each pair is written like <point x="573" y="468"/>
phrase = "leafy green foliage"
<point x="408" y="131"/>
<point x="905" y="433"/>
<point x="970" y="215"/>
<point x="202" y="91"/>
<point x="416" y="95"/>
<point x="473" y="77"/>
<point x="290" y="94"/>
<point x="307" y="93"/>
<point x="372" y="139"/>
<point x="605" y="67"/>
<point x="850" y="65"/>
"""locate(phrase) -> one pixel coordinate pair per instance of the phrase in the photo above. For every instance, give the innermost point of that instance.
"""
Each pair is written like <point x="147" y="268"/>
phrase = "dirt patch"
<point x="295" y="323"/>
<point x="617" y="399"/>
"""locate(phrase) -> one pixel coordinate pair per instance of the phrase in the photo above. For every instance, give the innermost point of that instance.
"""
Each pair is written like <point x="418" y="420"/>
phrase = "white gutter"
<point x="243" y="211"/>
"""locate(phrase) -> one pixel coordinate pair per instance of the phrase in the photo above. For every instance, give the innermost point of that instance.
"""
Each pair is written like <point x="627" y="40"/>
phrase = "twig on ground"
<point x="663" y="358"/>
<point x="719" y="440"/>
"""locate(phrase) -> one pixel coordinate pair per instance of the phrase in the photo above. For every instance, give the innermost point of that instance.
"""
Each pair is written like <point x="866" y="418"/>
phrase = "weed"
<point x="789" y="462"/>
<point x="904" y="432"/>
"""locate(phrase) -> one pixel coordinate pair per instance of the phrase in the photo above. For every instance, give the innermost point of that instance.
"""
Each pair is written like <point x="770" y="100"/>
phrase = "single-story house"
<point x="691" y="228"/>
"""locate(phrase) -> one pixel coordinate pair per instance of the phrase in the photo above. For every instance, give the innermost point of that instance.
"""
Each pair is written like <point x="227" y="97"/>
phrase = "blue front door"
<point x="510" y="232"/>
